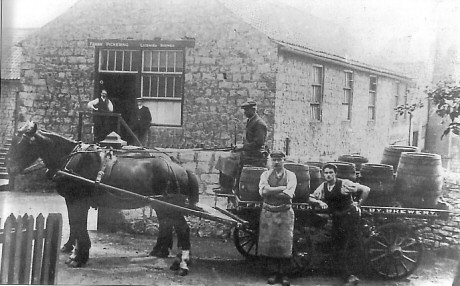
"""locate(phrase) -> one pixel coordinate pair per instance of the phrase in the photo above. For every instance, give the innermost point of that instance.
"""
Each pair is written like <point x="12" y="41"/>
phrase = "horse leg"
<point x="165" y="235"/>
<point x="78" y="217"/>
<point x="194" y="189"/>
<point x="69" y="245"/>
<point x="182" y="260"/>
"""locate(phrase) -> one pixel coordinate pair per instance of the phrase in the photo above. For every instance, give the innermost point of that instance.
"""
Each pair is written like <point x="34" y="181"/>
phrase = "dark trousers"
<point x="168" y="221"/>
<point x="278" y="266"/>
<point x="346" y="238"/>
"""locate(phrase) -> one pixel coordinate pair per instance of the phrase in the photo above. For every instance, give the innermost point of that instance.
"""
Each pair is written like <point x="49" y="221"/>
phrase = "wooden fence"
<point x="30" y="255"/>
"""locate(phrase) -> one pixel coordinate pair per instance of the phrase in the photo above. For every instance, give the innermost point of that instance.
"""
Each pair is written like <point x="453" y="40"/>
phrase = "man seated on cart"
<point x="251" y="153"/>
<point x="343" y="199"/>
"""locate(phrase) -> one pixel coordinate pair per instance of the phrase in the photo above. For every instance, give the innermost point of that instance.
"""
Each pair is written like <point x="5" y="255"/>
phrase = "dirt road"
<point x="122" y="259"/>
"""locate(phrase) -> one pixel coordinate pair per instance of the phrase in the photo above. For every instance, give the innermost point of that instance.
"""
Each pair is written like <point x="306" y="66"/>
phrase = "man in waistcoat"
<point x="276" y="228"/>
<point x="101" y="123"/>
<point x="338" y="196"/>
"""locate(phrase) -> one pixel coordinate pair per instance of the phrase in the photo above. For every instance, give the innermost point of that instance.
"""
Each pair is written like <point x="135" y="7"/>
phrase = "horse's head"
<point x="24" y="150"/>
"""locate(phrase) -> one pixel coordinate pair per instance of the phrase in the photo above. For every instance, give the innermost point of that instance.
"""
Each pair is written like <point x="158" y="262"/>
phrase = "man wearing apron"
<point x="277" y="187"/>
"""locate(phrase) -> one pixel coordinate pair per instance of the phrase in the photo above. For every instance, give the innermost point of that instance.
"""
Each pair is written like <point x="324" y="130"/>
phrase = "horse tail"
<point x="194" y="190"/>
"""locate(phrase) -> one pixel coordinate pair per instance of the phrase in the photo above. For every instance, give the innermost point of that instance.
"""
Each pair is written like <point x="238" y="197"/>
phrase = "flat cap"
<point x="140" y="99"/>
<point x="277" y="154"/>
<point x="249" y="103"/>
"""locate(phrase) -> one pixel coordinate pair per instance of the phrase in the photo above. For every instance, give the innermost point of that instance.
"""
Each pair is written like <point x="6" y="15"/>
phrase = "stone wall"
<point x="334" y="135"/>
<point x="10" y="89"/>
<point x="230" y="62"/>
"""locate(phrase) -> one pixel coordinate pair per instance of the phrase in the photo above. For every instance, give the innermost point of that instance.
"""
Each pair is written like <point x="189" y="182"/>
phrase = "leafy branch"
<point x="446" y="97"/>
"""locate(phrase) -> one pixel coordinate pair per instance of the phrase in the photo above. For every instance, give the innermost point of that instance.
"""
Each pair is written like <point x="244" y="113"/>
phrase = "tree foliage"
<point x="446" y="97"/>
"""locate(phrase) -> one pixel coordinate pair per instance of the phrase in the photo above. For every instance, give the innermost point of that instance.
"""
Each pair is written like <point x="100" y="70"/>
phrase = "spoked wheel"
<point x="395" y="251"/>
<point x="246" y="241"/>
<point x="301" y="254"/>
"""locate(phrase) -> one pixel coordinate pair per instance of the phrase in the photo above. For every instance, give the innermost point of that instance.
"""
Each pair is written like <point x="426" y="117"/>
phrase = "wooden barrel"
<point x="249" y="183"/>
<point x="392" y="153"/>
<point x="315" y="163"/>
<point x="345" y="170"/>
<point x="302" y="191"/>
<point x="419" y="179"/>
<point x="316" y="177"/>
<point x="358" y="160"/>
<point x="380" y="178"/>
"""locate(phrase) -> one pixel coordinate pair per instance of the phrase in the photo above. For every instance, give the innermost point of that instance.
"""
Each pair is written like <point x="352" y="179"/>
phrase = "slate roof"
<point x="303" y="32"/>
<point x="12" y="52"/>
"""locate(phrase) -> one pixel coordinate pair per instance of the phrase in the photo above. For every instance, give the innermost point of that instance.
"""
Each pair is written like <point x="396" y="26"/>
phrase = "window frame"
<point x="139" y="72"/>
<point x="347" y="100"/>
<point x="315" y="103"/>
<point x="372" y="103"/>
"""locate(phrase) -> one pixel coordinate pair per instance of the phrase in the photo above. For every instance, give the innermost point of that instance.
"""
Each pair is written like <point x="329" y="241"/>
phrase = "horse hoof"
<point x="175" y="266"/>
<point x="76" y="264"/>
<point x="66" y="249"/>
<point x="182" y="272"/>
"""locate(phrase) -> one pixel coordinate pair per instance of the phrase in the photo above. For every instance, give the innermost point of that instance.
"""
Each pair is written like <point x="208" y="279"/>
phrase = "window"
<point x="397" y="99"/>
<point x="372" y="98"/>
<point x="160" y="74"/>
<point x="317" y="94"/>
<point x="406" y="92"/>
<point x="125" y="61"/>
<point x="347" y="102"/>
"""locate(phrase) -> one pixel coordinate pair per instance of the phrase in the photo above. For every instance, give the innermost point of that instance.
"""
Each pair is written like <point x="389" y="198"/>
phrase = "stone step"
<point x="4" y="149"/>
<point x="3" y="175"/>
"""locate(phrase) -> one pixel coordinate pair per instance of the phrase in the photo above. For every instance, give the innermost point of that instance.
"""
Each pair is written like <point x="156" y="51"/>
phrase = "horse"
<point x="147" y="172"/>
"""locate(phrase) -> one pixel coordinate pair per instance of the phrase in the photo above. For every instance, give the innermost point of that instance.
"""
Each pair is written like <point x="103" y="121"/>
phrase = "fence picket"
<point x="24" y="277"/>
<point x="38" y="250"/>
<point x="7" y="249"/>
<point x="28" y="255"/>
<point x="17" y="250"/>
<point x="52" y="243"/>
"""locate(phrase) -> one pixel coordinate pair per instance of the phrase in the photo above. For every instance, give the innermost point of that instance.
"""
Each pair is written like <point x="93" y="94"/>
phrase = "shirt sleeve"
<point x="291" y="184"/>
<point x="263" y="181"/>
<point x="318" y="193"/>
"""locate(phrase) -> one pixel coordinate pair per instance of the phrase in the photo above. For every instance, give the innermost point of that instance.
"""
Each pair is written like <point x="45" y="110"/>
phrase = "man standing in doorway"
<point x="143" y="119"/>
<point x="99" y="106"/>
<point x="338" y="196"/>
<point x="276" y="228"/>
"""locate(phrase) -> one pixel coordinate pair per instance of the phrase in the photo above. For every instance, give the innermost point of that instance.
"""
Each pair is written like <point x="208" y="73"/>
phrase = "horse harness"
<point x="109" y="159"/>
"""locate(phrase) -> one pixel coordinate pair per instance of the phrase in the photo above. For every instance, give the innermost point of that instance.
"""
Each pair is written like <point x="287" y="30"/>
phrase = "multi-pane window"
<point x="162" y="74"/>
<point x="317" y="95"/>
<point x="347" y="101"/>
<point x="372" y="98"/>
<point x="397" y="99"/>
<point x="125" y="61"/>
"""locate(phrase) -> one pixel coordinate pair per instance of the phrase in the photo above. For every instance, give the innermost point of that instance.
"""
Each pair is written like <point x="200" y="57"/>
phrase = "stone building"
<point x="197" y="61"/>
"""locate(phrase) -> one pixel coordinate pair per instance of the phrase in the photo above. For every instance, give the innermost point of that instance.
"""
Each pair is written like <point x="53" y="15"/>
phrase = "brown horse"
<point x="145" y="172"/>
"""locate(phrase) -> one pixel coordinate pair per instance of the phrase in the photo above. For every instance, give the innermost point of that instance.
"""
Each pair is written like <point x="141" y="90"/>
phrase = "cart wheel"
<point x="301" y="255"/>
<point x="395" y="251"/>
<point x="246" y="241"/>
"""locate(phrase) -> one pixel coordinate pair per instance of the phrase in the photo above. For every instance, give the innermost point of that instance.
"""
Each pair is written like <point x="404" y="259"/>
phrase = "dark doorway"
<point x="121" y="89"/>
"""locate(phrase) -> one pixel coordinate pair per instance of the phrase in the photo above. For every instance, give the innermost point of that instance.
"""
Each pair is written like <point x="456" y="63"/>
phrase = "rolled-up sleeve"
<point x="318" y="193"/>
<point x="291" y="184"/>
<point x="263" y="183"/>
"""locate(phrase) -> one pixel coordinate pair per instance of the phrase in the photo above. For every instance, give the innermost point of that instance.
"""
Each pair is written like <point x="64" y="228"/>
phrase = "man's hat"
<point x="249" y="103"/>
<point x="140" y="99"/>
<point x="277" y="154"/>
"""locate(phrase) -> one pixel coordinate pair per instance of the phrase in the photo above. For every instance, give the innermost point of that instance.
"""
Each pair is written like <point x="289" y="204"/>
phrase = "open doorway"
<point x="121" y="89"/>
